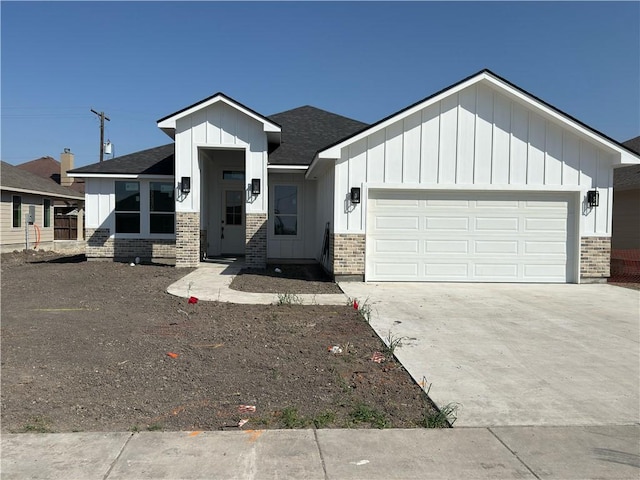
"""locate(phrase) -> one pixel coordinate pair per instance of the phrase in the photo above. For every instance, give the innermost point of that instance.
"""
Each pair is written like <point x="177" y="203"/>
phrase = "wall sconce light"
<point x="255" y="186"/>
<point x="355" y="195"/>
<point x="185" y="185"/>
<point x="593" y="198"/>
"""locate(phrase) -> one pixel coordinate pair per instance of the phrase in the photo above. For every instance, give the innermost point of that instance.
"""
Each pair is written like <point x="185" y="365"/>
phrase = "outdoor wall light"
<point x="185" y="185"/>
<point x="593" y="198"/>
<point x="255" y="186"/>
<point x="355" y="195"/>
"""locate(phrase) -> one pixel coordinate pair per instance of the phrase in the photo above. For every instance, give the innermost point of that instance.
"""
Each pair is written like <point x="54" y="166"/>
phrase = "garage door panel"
<point x="447" y="223"/>
<point x="487" y="271"/>
<point x="450" y="270"/>
<point x="399" y="269"/>
<point x="397" y="223"/>
<point x="470" y="236"/>
<point x="396" y="246"/>
<point x="533" y="247"/>
<point x="497" y="224"/>
<point x="496" y="246"/>
<point x="545" y="224"/>
<point x="446" y="246"/>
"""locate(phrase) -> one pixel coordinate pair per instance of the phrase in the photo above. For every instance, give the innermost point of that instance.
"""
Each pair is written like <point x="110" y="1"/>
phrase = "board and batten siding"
<point x="219" y="126"/>
<point x="473" y="139"/>
<point x="323" y="209"/>
<point x="302" y="245"/>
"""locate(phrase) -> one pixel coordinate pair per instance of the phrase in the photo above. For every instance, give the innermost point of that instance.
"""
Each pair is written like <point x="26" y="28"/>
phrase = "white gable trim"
<point x="170" y="122"/>
<point x="622" y="156"/>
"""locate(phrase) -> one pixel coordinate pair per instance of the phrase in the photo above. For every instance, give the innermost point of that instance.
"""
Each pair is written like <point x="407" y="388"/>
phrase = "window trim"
<point x="116" y="211"/>
<point x="161" y="212"/>
<point x="46" y="213"/>
<point x="298" y="215"/>
<point x="13" y="211"/>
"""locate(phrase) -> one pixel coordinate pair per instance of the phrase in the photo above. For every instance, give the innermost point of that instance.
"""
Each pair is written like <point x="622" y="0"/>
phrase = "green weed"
<point x="323" y="419"/>
<point x="291" y="418"/>
<point x="289" y="299"/>
<point x="444" y="417"/>
<point x="363" y="413"/>
<point x="392" y="342"/>
<point x="155" y="427"/>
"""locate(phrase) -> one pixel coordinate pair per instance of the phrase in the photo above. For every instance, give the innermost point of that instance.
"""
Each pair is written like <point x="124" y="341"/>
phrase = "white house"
<point x="480" y="182"/>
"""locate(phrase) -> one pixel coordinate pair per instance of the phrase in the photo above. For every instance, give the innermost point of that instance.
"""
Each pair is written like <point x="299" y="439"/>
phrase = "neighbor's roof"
<point x="305" y="130"/>
<point x="153" y="161"/>
<point x="49" y="167"/>
<point x="628" y="178"/>
<point x="14" y="179"/>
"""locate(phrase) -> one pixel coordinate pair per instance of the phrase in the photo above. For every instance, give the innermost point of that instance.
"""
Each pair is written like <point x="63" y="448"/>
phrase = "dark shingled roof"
<point x="153" y="161"/>
<point x="628" y="178"/>
<point x="12" y="177"/>
<point x="305" y="130"/>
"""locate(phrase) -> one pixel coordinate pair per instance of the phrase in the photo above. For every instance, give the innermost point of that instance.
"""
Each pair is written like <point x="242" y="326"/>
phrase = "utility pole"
<point x="103" y="117"/>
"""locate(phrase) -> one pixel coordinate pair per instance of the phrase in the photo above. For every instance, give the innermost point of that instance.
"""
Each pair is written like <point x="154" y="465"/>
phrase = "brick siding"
<point x="256" y="240"/>
<point x="347" y="252"/>
<point x="187" y="239"/>
<point x="100" y="245"/>
<point x="595" y="257"/>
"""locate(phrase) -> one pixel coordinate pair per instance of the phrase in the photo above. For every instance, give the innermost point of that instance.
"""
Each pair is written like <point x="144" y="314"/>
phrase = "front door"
<point x="232" y="234"/>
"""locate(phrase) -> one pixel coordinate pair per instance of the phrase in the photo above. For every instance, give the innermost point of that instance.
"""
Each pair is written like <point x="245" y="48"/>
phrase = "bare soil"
<point x="84" y="347"/>
<point x="287" y="278"/>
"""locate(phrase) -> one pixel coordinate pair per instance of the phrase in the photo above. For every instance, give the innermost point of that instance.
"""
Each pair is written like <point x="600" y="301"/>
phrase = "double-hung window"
<point x="161" y="207"/>
<point x="127" y="207"/>
<point x="285" y="220"/>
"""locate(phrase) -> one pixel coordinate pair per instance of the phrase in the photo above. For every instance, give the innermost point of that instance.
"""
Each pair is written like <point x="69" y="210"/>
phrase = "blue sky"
<point x="140" y="61"/>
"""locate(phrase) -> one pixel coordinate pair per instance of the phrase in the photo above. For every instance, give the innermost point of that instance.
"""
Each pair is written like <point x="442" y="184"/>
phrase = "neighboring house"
<point x="480" y="182"/>
<point x="625" y="238"/>
<point x="68" y="218"/>
<point x="24" y="193"/>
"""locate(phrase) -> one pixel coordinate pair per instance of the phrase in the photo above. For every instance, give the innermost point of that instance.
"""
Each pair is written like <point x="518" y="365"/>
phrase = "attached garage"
<point x="470" y="236"/>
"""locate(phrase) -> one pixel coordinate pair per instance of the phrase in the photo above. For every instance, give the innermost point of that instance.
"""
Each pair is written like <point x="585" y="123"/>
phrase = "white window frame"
<point x="273" y="215"/>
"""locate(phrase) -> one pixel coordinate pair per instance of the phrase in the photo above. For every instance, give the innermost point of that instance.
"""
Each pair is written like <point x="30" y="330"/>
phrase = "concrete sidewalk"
<point x="210" y="282"/>
<point x="607" y="452"/>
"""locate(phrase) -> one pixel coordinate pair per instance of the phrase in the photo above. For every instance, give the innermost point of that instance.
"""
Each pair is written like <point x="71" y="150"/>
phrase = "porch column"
<point x="256" y="240"/>
<point x="187" y="239"/>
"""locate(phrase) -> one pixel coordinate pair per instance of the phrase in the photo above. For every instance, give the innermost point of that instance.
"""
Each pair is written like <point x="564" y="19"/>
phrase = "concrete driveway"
<point x="517" y="354"/>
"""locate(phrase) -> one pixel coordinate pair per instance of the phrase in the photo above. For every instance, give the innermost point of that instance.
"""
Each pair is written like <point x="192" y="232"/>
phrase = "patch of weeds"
<point x="289" y="299"/>
<point x="275" y="374"/>
<point x="291" y="418"/>
<point x="323" y="419"/>
<point x="392" y="342"/>
<point x="444" y="417"/>
<point x="37" y="425"/>
<point x="261" y="421"/>
<point x="364" y="309"/>
<point x="155" y="427"/>
<point x="363" y="413"/>
<point x="135" y="429"/>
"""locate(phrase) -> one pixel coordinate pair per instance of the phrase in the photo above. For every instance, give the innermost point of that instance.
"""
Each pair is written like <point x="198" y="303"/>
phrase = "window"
<point x="161" y="207"/>
<point x="285" y="210"/>
<point x="232" y="175"/>
<point x="233" y="207"/>
<point x="127" y="207"/>
<point x="46" y="221"/>
<point x="17" y="211"/>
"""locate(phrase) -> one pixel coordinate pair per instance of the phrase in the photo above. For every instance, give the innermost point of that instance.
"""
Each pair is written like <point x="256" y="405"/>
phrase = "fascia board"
<point x="170" y="123"/>
<point x="38" y="192"/>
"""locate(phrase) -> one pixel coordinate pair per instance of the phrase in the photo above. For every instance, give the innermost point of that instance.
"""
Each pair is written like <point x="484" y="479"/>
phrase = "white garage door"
<point x="470" y="236"/>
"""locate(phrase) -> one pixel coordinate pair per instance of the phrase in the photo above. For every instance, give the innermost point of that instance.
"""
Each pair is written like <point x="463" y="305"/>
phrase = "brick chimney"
<point x="66" y="164"/>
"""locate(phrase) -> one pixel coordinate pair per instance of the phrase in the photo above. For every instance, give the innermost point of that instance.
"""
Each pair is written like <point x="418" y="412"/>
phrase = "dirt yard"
<point x="285" y="278"/>
<point x="85" y="348"/>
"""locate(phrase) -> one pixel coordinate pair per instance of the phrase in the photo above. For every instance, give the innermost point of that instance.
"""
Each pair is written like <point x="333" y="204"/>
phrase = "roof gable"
<point x="15" y="179"/>
<point x="168" y="124"/>
<point x="505" y="87"/>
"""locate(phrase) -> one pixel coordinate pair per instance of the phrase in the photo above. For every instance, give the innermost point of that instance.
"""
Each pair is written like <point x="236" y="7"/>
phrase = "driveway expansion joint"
<point x="115" y="460"/>
<point x="513" y="453"/>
